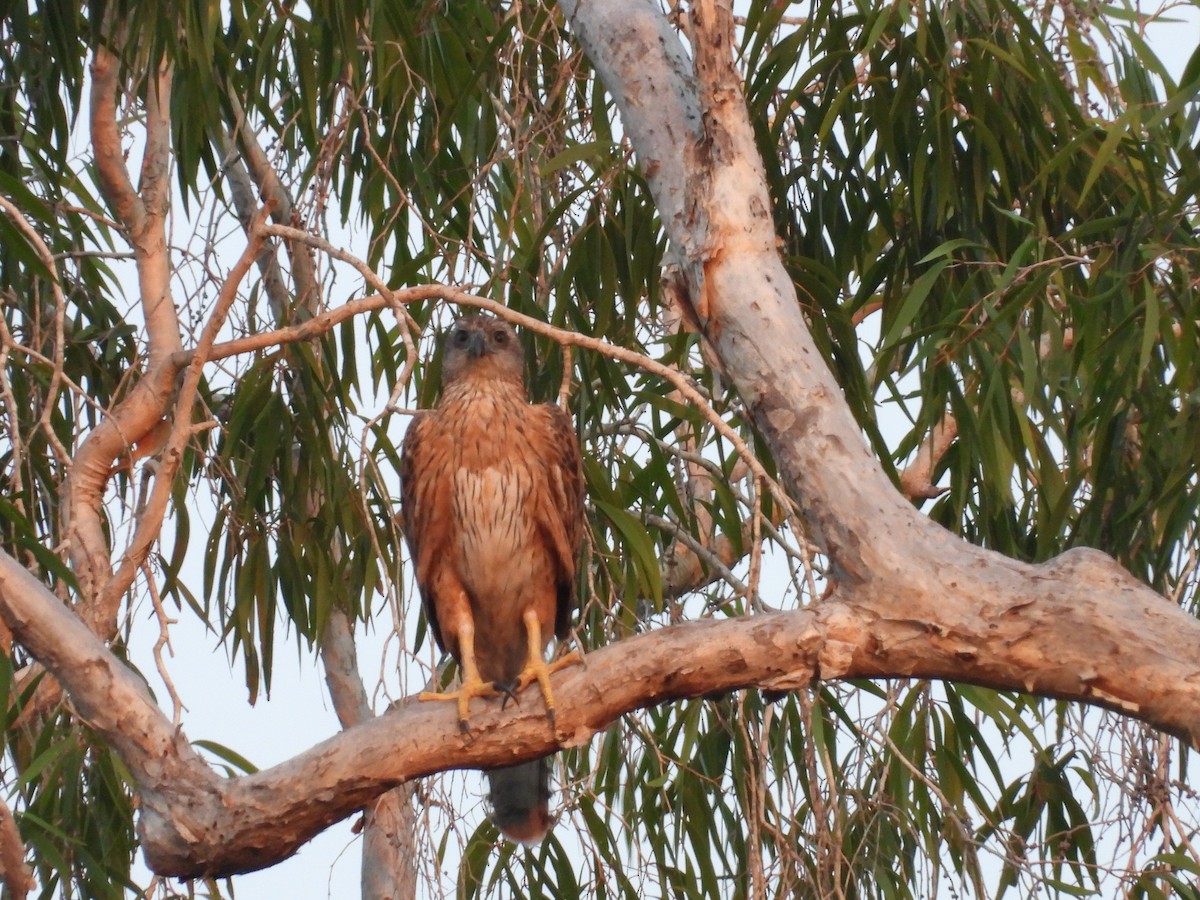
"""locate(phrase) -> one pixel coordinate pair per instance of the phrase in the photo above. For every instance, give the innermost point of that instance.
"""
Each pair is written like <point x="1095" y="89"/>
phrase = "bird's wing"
<point x="560" y="510"/>
<point x="426" y="500"/>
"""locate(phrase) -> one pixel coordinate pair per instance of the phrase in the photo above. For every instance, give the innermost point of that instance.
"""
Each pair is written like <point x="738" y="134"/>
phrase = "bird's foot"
<point x="537" y="669"/>
<point x="471" y="687"/>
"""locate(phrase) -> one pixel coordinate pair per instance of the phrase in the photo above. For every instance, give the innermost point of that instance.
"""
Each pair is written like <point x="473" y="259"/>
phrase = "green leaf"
<point x="230" y="756"/>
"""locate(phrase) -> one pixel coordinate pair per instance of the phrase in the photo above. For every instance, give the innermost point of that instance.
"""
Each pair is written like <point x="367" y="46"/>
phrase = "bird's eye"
<point x="500" y="336"/>
<point x="460" y="336"/>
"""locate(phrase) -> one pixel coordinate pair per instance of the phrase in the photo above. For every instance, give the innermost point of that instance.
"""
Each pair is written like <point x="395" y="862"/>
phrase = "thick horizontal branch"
<point x="1062" y="629"/>
<point x="1077" y="628"/>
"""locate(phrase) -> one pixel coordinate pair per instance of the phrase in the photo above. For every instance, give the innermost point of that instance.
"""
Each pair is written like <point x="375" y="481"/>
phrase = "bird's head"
<point x="482" y="347"/>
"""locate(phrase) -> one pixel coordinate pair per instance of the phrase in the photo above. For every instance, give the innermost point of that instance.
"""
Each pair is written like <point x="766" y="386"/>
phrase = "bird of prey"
<point x="492" y="494"/>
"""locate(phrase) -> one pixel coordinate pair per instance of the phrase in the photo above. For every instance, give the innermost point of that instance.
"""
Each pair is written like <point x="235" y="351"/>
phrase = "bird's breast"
<point x="493" y="485"/>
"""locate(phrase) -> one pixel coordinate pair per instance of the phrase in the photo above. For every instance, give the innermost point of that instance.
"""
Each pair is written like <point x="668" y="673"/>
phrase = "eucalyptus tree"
<point x="879" y="329"/>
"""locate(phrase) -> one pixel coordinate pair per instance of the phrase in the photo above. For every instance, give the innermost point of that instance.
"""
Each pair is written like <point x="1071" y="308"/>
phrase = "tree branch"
<point x="1008" y="640"/>
<point x="143" y="216"/>
<point x="963" y="617"/>
<point x="104" y="692"/>
<point x="1000" y="626"/>
<point x="389" y="869"/>
<point x="909" y="599"/>
<point x="150" y="520"/>
<point x="304" y="274"/>
<point x="16" y="875"/>
<point x="746" y="305"/>
<point x="245" y="202"/>
<point x="114" y="179"/>
<point x="916" y="481"/>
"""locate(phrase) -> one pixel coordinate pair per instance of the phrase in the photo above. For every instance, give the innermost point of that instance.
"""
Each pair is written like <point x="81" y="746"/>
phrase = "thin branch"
<point x="681" y="382"/>
<point x="245" y="201"/>
<point x="306" y="331"/>
<point x="164" y="640"/>
<point x="756" y="519"/>
<point x="14" y="872"/>
<point x="564" y="389"/>
<point x="680" y="579"/>
<point x="677" y="379"/>
<point x="150" y="521"/>
<point x="60" y="315"/>
<point x="272" y="191"/>
<point x="114" y="179"/>
<point x="16" y="442"/>
<point x="916" y="481"/>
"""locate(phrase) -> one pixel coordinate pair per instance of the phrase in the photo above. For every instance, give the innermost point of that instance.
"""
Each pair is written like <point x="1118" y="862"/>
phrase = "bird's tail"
<point x="521" y="800"/>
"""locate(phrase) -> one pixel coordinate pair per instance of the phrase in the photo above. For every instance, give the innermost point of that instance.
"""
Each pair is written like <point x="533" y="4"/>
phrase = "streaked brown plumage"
<point x="492" y="490"/>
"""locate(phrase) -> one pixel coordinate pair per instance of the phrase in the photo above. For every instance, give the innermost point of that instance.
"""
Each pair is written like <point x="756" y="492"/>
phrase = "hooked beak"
<point x="476" y="345"/>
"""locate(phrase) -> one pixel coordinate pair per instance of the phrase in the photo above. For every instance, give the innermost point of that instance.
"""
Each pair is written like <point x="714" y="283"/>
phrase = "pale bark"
<point x="245" y="202"/>
<point x="304" y="273"/>
<point x="916" y="481"/>
<point x="142" y="212"/>
<point x="195" y="824"/>
<point x="886" y="557"/>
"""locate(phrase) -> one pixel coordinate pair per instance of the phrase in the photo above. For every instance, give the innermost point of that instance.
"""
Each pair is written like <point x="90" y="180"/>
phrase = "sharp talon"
<point x="507" y="692"/>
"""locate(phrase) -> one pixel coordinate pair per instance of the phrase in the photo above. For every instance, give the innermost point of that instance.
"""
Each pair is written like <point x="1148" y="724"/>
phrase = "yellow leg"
<point x="472" y="685"/>
<point x="536" y="667"/>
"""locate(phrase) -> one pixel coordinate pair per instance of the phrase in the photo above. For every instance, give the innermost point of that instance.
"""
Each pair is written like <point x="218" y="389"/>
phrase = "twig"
<point x="756" y="795"/>
<point x="14" y="423"/>
<point x="60" y="313"/>
<point x="164" y="640"/>
<point x="756" y="517"/>
<point x="564" y="389"/>
<point x="150" y="521"/>
<point x="676" y="378"/>
<point x="916" y="481"/>
<point x="242" y="191"/>
<point x="705" y="554"/>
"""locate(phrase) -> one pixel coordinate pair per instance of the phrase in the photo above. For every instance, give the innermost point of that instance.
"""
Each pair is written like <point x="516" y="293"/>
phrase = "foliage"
<point x="989" y="210"/>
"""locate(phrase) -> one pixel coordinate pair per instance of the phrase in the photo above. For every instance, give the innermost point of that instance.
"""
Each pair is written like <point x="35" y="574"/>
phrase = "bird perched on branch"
<point x="492" y="493"/>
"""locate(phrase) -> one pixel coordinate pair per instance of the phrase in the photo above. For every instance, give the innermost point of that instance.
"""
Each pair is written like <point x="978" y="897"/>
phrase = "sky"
<point x="298" y="714"/>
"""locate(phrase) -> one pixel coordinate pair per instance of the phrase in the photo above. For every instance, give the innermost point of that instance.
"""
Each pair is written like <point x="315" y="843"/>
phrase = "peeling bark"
<point x="965" y="619"/>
